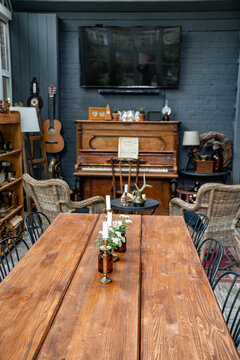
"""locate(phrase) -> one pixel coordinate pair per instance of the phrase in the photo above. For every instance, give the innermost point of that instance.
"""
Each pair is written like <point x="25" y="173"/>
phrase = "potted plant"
<point x="141" y="114"/>
<point x="115" y="114"/>
<point x="118" y="232"/>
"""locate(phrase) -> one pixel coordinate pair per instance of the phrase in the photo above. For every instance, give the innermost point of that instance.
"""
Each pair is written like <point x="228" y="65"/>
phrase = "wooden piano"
<point x="97" y="142"/>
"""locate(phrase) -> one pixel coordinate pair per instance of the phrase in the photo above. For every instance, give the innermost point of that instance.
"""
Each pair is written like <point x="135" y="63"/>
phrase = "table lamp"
<point x="190" y="139"/>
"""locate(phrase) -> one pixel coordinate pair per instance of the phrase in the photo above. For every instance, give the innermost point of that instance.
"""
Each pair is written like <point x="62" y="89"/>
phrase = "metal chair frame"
<point x="34" y="225"/>
<point x="7" y="245"/>
<point x="198" y="223"/>
<point x="212" y="257"/>
<point x="234" y="328"/>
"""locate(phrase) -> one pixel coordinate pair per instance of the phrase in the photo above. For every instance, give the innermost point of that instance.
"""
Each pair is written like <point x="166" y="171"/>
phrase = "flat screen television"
<point x="129" y="57"/>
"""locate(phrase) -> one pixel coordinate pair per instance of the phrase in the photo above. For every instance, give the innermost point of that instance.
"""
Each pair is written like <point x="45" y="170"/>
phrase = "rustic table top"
<point x="159" y="305"/>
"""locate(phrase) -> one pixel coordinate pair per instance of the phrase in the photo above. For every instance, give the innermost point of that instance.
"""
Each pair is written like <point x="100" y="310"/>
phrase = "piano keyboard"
<point x="145" y="169"/>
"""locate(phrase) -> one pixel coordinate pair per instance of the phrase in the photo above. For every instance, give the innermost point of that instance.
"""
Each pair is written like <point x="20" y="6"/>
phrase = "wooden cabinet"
<point x="11" y="192"/>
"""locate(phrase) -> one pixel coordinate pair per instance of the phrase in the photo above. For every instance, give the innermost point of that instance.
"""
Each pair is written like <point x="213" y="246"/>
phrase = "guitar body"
<point x="53" y="140"/>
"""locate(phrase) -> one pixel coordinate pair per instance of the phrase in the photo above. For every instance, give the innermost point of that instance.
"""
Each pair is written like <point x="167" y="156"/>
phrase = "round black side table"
<point x="149" y="204"/>
<point x="225" y="175"/>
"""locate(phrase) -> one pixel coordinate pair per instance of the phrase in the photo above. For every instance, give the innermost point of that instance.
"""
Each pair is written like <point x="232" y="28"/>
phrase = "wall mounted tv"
<point x="130" y="57"/>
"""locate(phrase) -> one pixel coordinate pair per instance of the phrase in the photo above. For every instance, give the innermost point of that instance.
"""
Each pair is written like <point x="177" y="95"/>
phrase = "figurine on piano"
<point x="166" y="110"/>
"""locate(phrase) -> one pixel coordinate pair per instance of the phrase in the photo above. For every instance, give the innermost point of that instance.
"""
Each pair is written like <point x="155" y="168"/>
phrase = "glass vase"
<point x="109" y="263"/>
<point x="123" y="248"/>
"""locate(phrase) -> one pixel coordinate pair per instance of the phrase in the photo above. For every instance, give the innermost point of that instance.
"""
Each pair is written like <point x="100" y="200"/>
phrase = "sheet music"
<point x="128" y="147"/>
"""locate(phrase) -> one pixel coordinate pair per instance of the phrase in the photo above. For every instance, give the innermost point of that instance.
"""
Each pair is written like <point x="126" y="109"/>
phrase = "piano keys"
<point x="97" y="142"/>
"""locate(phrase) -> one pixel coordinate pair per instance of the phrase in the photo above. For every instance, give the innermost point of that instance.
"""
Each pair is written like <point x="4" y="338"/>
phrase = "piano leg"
<point x="173" y="187"/>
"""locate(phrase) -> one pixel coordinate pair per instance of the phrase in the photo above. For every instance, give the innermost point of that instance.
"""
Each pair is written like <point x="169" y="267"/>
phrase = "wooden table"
<point x="159" y="305"/>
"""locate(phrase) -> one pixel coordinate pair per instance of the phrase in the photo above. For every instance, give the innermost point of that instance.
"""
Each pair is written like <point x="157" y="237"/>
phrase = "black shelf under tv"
<point x="129" y="91"/>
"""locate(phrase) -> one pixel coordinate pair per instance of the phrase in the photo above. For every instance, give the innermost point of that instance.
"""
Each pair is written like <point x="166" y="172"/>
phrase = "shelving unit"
<point x="10" y="127"/>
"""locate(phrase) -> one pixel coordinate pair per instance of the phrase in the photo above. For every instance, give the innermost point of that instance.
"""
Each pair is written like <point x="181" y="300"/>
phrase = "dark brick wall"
<point x="204" y="101"/>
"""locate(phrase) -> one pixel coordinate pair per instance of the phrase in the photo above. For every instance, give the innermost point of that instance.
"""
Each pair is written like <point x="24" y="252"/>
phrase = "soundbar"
<point x="128" y="91"/>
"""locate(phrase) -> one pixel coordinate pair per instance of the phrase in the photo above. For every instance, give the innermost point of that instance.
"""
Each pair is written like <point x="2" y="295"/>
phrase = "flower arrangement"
<point x="116" y="233"/>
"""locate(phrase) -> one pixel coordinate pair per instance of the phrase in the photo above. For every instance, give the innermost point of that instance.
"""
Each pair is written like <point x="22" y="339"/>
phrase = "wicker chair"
<point x="221" y="203"/>
<point x="53" y="197"/>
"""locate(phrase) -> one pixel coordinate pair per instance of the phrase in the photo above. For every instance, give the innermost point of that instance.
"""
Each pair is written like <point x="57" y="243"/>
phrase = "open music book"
<point x="128" y="147"/>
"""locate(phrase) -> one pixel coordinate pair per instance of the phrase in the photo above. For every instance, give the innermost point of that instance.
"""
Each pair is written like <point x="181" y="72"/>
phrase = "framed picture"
<point x="154" y="116"/>
<point x="96" y="113"/>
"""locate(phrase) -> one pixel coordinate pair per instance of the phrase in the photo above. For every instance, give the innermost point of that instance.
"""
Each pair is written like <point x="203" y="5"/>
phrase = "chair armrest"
<point x="177" y="206"/>
<point x="96" y="204"/>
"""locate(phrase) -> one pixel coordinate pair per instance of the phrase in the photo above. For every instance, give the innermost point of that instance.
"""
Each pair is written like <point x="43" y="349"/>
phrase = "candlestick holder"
<point x="105" y="248"/>
<point x="125" y="203"/>
<point x="108" y="210"/>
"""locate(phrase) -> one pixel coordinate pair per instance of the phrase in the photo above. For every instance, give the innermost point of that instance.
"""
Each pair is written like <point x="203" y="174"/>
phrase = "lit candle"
<point x="109" y="219"/>
<point x="108" y="202"/>
<point x="105" y="230"/>
<point x="126" y="188"/>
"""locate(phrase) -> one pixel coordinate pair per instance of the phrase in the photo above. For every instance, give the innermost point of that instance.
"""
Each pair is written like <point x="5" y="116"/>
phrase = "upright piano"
<point x="97" y="142"/>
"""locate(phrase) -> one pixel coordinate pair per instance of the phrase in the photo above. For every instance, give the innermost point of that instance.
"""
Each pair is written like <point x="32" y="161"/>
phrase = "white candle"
<point x="105" y="230"/>
<point x="109" y="219"/>
<point x="108" y="202"/>
<point x="126" y="188"/>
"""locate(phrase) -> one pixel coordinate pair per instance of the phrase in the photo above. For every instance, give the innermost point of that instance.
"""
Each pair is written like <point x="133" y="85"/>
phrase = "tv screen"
<point x="129" y="57"/>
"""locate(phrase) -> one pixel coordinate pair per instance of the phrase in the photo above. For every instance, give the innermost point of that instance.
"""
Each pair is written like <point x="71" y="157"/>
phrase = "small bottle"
<point x="217" y="157"/>
<point x="196" y="186"/>
<point x="1" y="107"/>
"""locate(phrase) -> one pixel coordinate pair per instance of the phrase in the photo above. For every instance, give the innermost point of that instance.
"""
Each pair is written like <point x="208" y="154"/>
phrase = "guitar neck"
<point x="51" y="110"/>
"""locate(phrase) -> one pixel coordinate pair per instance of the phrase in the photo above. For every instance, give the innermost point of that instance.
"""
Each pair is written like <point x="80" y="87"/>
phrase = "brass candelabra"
<point x="105" y="248"/>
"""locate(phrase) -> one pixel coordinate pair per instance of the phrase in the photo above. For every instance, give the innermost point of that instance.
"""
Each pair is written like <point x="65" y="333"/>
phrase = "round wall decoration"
<point x="211" y="139"/>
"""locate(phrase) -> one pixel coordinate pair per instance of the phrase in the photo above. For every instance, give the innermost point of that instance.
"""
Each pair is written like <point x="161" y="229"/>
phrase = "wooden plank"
<point x="100" y="321"/>
<point x="33" y="291"/>
<point x="180" y="316"/>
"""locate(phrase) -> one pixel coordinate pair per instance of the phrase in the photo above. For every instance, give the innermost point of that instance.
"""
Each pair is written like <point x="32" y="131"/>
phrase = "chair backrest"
<point x="212" y="257"/>
<point x="197" y="225"/>
<point x="124" y="168"/>
<point x="231" y="302"/>
<point x="221" y="203"/>
<point x="10" y="253"/>
<point x="50" y="196"/>
<point x="35" y="224"/>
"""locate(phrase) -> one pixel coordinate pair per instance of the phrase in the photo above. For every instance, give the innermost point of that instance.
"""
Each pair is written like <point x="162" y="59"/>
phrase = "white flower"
<point x="128" y="221"/>
<point x="115" y="240"/>
<point x="123" y="216"/>
<point x="100" y="232"/>
<point x="118" y="234"/>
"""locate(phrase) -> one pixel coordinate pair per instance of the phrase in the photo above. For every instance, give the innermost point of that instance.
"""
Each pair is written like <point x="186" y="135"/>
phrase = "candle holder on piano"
<point x="105" y="248"/>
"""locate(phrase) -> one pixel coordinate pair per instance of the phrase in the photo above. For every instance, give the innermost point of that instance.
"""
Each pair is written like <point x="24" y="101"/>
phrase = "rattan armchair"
<point x="53" y="197"/>
<point x="221" y="203"/>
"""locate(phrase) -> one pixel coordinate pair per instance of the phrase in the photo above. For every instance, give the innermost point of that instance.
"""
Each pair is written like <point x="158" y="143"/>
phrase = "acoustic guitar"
<point x="53" y="140"/>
